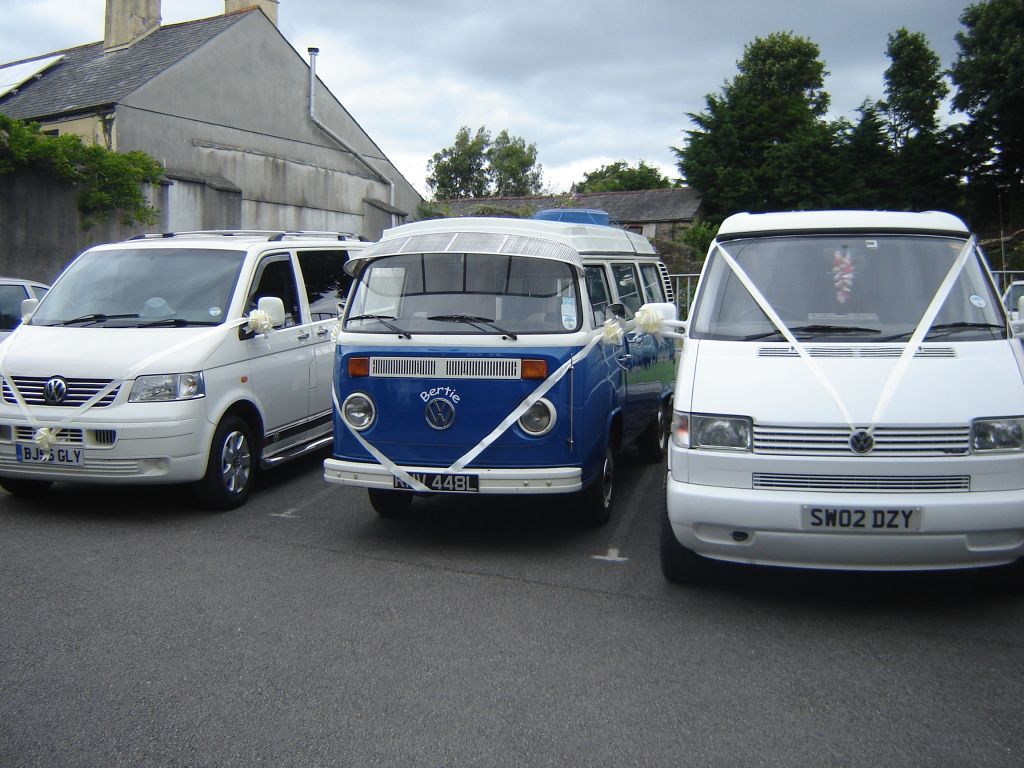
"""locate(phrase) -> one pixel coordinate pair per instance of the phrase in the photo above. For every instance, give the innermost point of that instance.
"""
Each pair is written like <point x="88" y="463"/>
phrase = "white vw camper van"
<point x="849" y="396"/>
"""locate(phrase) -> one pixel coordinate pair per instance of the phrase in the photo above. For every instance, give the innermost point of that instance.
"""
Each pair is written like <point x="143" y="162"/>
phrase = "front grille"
<point x="65" y="435"/>
<point x="889" y="441"/>
<point x="861" y="483"/>
<point x="79" y="391"/>
<point x="447" y="367"/>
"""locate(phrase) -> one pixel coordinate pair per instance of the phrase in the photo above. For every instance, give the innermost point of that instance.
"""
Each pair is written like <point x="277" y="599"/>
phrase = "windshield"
<point x="465" y="293"/>
<point x="143" y="287"/>
<point x="846" y="288"/>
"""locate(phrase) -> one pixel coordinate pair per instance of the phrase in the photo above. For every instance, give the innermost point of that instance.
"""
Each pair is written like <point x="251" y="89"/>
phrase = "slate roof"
<point x="87" y="77"/>
<point x="646" y="206"/>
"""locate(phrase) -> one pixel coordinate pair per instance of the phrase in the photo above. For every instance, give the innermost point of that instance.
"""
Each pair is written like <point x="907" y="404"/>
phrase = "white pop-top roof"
<point x="931" y="222"/>
<point x="561" y="241"/>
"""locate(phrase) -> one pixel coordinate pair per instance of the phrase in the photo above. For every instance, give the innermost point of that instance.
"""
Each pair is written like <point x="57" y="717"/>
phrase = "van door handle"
<point x="321" y="331"/>
<point x="303" y="336"/>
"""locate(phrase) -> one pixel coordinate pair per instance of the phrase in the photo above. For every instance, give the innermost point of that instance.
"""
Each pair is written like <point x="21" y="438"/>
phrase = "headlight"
<point x="539" y="418"/>
<point x="719" y="433"/>
<point x="358" y="411"/>
<point x="997" y="435"/>
<point x="166" y="387"/>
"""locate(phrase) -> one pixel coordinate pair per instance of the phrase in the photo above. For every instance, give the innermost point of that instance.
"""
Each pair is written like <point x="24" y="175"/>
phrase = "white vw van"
<point x="178" y="358"/>
<point x="849" y="396"/>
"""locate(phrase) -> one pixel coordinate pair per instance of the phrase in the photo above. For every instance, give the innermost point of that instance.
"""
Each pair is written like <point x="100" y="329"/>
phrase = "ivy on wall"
<point x="106" y="181"/>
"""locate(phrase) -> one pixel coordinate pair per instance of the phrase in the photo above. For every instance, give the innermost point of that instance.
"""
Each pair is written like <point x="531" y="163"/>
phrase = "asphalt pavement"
<point x="304" y="630"/>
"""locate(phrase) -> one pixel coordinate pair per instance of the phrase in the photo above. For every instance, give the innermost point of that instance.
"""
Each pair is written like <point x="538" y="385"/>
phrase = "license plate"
<point x="60" y="456"/>
<point x="437" y="481"/>
<point x="860" y="519"/>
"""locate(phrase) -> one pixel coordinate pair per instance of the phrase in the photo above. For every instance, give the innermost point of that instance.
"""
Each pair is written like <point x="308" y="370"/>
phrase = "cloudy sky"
<point x="589" y="82"/>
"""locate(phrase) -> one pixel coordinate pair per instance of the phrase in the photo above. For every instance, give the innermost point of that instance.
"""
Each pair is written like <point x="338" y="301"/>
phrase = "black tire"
<point x="652" y="445"/>
<point x="594" y="504"/>
<point x="678" y="564"/>
<point x="390" y="504"/>
<point x="231" y="467"/>
<point x="28" y="489"/>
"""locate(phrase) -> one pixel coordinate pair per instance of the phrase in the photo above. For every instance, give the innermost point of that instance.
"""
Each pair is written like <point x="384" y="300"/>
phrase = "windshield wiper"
<point x="175" y="322"/>
<point x="825" y="330"/>
<point x="96" y="317"/>
<point x="947" y="328"/>
<point x="383" y="320"/>
<point x="474" y="321"/>
<point x="810" y="331"/>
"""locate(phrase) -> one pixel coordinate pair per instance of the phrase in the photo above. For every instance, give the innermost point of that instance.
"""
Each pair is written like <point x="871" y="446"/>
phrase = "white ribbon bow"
<point x="46" y="438"/>
<point x="259" y="322"/>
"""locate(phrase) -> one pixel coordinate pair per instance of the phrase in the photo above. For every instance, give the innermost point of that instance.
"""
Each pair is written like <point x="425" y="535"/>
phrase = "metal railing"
<point x="683" y="286"/>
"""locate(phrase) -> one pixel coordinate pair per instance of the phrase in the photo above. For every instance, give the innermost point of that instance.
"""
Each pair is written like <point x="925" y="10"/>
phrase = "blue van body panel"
<point x="401" y="431"/>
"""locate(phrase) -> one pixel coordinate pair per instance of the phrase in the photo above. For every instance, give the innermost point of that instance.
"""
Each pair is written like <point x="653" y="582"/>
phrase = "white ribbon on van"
<point x="610" y="333"/>
<point x="896" y="375"/>
<point x="46" y="437"/>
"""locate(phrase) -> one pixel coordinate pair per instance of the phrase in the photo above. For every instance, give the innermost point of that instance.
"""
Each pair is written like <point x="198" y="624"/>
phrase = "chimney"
<point x="128" y="21"/>
<point x="269" y="7"/>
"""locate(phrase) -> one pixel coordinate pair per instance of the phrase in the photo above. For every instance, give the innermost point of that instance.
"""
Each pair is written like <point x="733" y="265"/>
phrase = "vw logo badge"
<point x="55" y="390"/>
<point x="862" y="442"/>
<point x="440" y="413"/>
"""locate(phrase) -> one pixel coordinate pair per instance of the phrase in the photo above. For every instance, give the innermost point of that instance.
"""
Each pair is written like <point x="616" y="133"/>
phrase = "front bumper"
<point x="510" y="481"/>
<point x="959" y="530"/>
<point x="150" y="452"/>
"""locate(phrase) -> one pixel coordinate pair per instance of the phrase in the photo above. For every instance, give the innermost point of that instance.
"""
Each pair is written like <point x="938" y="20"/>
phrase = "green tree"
<point x="914" y="86"/>
<point x="763" y="144"/>
<point x="106" y="181"/>
<point x="926" y="170"/>
<point x="460" y="170"/>
<point x="989" y="76"/>
<point x="476" y="166"/>
<point x="513" y="165"/>
<point x="867" y="162"/>
<point x="621" y="177"/>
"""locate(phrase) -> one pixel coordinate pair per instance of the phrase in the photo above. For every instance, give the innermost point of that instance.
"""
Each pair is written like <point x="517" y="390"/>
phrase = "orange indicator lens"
<point x="535" y="369"/>
<point x="359" y="366"/>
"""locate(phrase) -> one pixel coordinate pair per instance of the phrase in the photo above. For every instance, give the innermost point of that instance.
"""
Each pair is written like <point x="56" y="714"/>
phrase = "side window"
<point x="597" y="290"/>
<point x="627" y="281"/>
<point x="325" y="280"/>
<point x="275" y="277"/>
<point x="653" y="287"/>
<point x="11" y="297"/>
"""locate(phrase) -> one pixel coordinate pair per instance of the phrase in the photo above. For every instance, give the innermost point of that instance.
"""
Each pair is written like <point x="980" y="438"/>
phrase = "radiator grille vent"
<point x="450" y="367"/>
<point x="861" y="483"/>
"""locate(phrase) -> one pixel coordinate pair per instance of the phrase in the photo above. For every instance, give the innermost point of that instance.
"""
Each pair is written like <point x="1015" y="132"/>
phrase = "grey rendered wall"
<point x="40" y="227"/>
<point x="238" y="109"/>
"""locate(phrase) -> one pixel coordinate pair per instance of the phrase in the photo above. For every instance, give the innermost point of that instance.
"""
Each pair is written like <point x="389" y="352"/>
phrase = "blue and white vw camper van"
<point x="501" y="356"/>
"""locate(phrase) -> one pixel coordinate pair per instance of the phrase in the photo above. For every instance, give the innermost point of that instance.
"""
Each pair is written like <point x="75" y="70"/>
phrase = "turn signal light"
<point x="535" y="369"/>
<point x="358" y="366"/>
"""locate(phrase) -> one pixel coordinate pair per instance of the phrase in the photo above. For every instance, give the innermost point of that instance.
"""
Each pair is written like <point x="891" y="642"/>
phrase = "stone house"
<point x="250" y="138"/>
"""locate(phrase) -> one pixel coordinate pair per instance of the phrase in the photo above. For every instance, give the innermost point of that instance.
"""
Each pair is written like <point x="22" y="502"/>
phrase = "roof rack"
<point x="269" y="234"/>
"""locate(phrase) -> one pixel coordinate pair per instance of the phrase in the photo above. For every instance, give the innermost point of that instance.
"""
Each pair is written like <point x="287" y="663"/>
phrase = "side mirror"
<point x="619" y="310"/>
<point x="1020" y="307"/>
<point x="274" y="308"/>
<point x="28" y="306"/>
